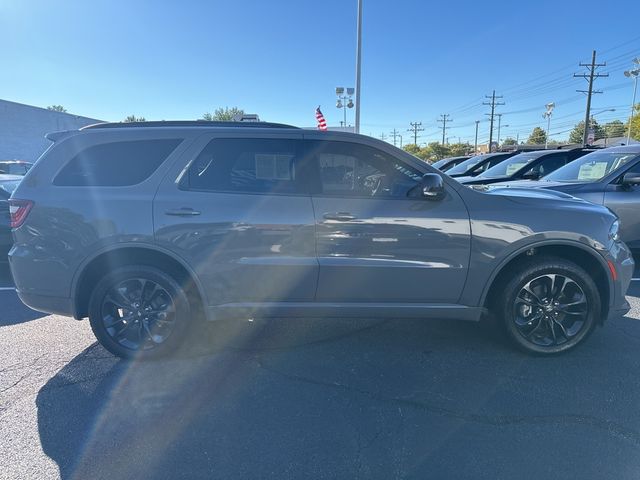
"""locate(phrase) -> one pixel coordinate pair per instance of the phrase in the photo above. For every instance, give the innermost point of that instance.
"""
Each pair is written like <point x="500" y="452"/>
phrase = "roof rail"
<point x="185" y="123"/>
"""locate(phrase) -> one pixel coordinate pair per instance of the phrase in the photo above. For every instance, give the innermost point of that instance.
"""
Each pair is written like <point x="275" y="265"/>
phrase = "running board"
<point x="344" y="310"/>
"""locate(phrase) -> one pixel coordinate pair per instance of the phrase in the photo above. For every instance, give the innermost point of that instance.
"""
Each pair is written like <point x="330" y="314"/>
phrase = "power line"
<point x="395" y="134"/>
<point x="415" y="128"/>
<point x="493" y="104"/>
<point x="444" y="119"/>
<point x="591" y="76"/>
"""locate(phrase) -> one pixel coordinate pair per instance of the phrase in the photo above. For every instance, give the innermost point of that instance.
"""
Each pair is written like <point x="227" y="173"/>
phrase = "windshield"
<point x="466" y="165"/>
<point x="510" y="166"/>
<point x="591" y="167"/>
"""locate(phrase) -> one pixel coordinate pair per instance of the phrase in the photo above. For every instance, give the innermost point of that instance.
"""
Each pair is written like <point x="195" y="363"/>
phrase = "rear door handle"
<point x="339" y="216"/>
<point x="182" y="212"/>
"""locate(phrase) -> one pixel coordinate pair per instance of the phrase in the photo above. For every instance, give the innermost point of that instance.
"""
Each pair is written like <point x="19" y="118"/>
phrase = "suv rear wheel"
<point x="550" y="306"/>
<point x="139" y="312"/>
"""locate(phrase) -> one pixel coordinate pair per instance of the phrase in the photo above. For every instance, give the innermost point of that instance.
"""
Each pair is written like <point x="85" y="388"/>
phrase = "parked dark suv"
<point x="148" y="228"/>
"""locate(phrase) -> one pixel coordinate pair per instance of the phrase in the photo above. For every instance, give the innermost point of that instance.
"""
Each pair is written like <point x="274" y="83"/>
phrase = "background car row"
<point x="609" y="177"/>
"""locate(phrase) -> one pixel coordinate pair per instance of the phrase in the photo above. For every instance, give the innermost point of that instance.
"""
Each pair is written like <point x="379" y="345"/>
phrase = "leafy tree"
<point x="509" y="141"/>
<point x="412" y="148"/>
<point x="133" y="118"/>
<point x="576" y="134"/>
<point x="436" y="151"/>
<point x="538" y="136"/>
<point x="225" y="114"/>
<point x="458" y="149"/>
<point x="57" y="108"/>
<point x="614" y="129"/>
<point x="635" y="123"/>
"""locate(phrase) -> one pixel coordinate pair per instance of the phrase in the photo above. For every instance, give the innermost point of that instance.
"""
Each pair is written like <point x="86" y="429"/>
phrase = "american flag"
<point x="322" y="123"/>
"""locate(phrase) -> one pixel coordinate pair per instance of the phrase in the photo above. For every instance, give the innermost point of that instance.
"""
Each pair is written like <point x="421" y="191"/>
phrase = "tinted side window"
<point x="246" y="165"/>
<point x="350" y="169"/>
<point x="116" y="164"/>
<point x="551" y="164"/>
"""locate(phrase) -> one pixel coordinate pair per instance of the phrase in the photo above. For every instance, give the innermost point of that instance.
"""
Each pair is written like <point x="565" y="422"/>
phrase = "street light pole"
<point x="499" y="121"/>
<point x="475" y="143"/>
<point x="358" y="63"/>
<point x="547" y="115"/>
<point x="635" y="72"/>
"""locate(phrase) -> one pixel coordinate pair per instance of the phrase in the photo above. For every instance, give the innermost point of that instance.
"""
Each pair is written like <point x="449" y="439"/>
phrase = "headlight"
<point x="614" y="231"/>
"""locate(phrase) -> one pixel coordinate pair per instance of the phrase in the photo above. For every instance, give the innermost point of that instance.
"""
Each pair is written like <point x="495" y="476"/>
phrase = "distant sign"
<point x="591" y="136"/>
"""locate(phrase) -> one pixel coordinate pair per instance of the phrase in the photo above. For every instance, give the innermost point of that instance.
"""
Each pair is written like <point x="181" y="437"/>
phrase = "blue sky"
<point x="282" y="58"/>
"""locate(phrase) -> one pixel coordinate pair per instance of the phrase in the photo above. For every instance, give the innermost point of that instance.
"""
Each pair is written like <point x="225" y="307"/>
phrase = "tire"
<point x="139" y="312"/>
<point x="550" y="306"/>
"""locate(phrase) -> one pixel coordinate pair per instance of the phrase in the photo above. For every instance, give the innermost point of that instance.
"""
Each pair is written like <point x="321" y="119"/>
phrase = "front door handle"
<point x="339" y="216"/>
<point x="182" y="212"/>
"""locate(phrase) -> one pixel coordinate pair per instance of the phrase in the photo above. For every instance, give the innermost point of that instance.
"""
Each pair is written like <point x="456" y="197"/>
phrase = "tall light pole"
<point x="344" y="101"/>
<point x="634" y="72"/>
<point x="547" y="115"/>
<point x="499" y="115"/>
<point x="475" y="143"/>
<point x="358" y="63"/>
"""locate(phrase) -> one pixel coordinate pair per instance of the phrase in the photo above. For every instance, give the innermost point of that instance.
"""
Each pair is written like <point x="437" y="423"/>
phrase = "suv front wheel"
<point x="139" y="312"/>
<point x="550" y="306"/>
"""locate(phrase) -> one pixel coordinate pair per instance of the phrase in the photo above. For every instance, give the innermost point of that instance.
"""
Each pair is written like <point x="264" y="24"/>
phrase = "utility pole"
<point x="590" y="76"/>
<point x="493" y="104"/>
<point x="395" y="134"/>
<point x="444" y="119"/>
<point x="383" y="136"/>
<point x="499" y="115"/>
<point x="415" y="128"/>
<point x="475" y="144"/>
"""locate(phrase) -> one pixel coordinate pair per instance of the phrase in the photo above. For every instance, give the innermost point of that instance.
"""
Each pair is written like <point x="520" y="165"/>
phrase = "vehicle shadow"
<point x="14" y="312"/>
<point x="341" y="399"/>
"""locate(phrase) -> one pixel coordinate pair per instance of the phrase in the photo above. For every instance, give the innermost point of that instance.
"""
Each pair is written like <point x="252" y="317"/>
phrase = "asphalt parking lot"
<point x="322" y="399"/>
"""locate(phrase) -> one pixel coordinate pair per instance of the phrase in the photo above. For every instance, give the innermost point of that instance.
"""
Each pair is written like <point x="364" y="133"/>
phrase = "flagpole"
<point x="358" y="61"/>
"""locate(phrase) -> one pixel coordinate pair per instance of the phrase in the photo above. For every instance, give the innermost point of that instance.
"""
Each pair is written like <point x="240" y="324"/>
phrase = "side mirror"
<point x="629" y="179"/>
<point x="430" y="187"/>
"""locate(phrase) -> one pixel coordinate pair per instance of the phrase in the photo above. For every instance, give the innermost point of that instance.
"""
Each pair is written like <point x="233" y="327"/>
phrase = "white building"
<point x="23" y="127"/>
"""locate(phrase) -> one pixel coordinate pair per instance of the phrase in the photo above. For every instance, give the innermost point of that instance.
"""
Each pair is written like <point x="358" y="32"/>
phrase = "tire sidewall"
<point x="534" y="269"/>
<point x="181" y="304"/>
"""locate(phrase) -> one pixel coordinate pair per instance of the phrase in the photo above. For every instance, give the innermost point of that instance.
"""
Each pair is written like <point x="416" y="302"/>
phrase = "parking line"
<point x="635" y="279"/>
<point x="3" y="289"/>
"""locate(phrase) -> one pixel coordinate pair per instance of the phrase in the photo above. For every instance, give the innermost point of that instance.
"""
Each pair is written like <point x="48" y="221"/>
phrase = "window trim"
<point x="180" y="142"/>
<point x="182" y="182"/>
<point x="386" y="154"/>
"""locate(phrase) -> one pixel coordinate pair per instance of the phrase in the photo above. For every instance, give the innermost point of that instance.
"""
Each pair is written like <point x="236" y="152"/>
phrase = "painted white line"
<point x="635" y="279"/>
<point x="6" y="289"/>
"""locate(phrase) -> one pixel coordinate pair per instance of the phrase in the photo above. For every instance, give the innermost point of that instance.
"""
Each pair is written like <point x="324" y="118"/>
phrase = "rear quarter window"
<point x="116" y="164"/>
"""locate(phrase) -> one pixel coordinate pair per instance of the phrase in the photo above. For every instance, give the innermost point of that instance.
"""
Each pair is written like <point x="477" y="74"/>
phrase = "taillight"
<point x="19" y="209"/>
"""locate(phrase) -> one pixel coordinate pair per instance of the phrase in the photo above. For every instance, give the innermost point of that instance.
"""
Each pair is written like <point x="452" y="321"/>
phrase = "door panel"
<point x="392" y="250"/>
<point x="374" y="243"/>
<point x="238" y="219"/>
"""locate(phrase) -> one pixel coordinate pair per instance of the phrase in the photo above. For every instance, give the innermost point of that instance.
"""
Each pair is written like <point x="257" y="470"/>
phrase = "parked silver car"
<point x="146" y="228"/>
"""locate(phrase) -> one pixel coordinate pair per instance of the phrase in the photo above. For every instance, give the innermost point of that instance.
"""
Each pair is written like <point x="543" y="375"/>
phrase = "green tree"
<point x="614" y="129"/>
<point x="635" y="123"/>
<point x="576" y="134"/>
<point x="509" y="141"/>
<point x="133" y="118"/>
<point x="57" y="108"/>
<point x="225" y="114"/>
<point x="412" y="148"/>
<point x="436" y="151"/>
<point x="538" y="136"/>
<point x="458" y="149"/>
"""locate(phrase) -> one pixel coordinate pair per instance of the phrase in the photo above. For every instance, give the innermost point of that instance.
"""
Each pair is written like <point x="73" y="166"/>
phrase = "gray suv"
<point x="149" y="228"/>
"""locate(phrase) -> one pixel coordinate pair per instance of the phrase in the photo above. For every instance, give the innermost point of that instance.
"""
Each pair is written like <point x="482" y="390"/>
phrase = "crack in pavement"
<point x="612" y="428"/>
